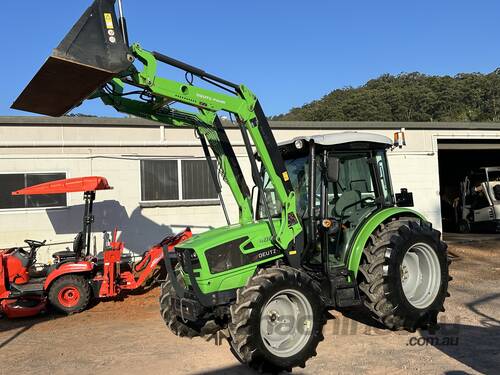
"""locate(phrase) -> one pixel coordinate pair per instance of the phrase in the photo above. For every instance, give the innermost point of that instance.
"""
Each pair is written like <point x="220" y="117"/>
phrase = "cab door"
<point x="348" y="201"/>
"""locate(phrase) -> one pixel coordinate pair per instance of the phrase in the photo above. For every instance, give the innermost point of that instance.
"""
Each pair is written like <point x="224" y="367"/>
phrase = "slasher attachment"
<point x="91" y="54"/>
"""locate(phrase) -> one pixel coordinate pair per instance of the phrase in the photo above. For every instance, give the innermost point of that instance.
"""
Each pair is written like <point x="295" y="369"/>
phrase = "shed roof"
<point x="319" y="125"/>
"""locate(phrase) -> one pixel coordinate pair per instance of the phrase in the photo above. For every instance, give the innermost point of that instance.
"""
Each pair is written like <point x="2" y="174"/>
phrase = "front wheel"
<point x="177" y="325"/>
<point x="464" y="227"/>
<point x="70" y="294"/>
<point x="277" y="320"/>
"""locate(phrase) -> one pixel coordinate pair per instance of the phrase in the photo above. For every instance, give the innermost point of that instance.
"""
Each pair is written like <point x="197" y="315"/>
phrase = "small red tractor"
<point x="76" y="276"/>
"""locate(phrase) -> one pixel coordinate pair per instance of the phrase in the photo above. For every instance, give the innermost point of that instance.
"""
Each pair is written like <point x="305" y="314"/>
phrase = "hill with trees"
<point x="408" y="97"/>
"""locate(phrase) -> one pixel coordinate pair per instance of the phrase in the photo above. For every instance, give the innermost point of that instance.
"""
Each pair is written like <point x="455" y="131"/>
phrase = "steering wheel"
<point x="367" y="200"/>
<point x="34" y="243"/>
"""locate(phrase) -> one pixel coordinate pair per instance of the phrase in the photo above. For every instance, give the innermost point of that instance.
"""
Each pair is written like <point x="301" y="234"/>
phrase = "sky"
<point x="287" y="52"/>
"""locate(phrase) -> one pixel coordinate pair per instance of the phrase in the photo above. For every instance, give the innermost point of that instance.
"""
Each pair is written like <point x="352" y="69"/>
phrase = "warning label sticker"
<point x="108" y="18"/>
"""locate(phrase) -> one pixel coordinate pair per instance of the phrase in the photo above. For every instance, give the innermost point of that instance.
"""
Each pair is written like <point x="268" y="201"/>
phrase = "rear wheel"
<point x="70" y="294"/>
<point x="277" y="320"/>
<point x="405" y="275"/>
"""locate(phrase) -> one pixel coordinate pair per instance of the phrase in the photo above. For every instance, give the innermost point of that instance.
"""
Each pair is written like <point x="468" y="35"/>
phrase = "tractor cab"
<point x="339" y="180"/>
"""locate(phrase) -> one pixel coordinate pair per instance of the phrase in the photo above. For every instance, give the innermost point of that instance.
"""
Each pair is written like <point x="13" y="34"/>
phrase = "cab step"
<point x="344" y="288"/>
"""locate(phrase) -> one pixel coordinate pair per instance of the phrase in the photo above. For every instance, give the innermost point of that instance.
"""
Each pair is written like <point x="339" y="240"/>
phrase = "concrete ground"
<point x="129" y="337"/>
<point x="457" y="238"/>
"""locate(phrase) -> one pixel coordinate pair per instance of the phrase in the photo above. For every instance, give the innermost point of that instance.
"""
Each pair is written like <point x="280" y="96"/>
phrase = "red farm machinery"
<point x="76" y="276"/>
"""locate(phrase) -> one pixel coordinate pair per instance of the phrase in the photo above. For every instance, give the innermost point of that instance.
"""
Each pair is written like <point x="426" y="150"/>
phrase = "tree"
<point x="408" y="97"/>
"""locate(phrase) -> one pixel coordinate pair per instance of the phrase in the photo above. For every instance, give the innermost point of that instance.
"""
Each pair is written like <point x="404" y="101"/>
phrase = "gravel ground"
<point x="129" y="337"/>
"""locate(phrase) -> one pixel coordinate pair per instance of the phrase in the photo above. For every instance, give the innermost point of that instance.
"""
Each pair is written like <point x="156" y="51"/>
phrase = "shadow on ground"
<point x="477" y="346"/>
<point x="230" y="370"/>
<point x="22" y="325"/>
<point x="362" y="315"/>
<point x="474" y="346"/>
<point x="240" y="370"/>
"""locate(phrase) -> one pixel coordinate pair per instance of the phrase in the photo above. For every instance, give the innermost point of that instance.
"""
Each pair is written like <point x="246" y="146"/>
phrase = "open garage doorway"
<point x="458" y="159"/>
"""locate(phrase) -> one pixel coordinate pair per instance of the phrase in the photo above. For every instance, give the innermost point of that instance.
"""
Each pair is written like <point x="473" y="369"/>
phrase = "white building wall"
<point x="115" y="152"/>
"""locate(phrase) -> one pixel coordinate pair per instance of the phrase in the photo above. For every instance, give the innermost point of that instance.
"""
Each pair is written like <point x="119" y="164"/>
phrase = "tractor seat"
<point x="348" y="198"/>
<point x="78" y="245"/>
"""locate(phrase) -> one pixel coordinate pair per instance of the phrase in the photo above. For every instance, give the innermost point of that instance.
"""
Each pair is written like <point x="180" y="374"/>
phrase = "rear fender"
<point x="68" y="268"/>
<point x="368" y="227"/>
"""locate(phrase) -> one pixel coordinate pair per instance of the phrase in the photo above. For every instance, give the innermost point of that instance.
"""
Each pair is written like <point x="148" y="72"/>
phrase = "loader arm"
<point x="249" y="116"/>
<point x="95" y="60"/>
<point x="207" y="124"/>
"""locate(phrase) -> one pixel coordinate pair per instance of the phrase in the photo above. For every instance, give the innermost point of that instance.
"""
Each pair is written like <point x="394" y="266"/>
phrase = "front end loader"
<point x="327" y="231"/>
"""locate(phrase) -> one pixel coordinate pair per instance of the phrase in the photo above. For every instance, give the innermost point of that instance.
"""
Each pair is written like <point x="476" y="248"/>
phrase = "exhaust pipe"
<point x="91" y="54"/>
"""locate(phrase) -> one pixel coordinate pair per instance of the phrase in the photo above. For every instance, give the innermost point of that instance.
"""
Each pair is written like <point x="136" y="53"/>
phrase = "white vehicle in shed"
<point x="478" y="208"/>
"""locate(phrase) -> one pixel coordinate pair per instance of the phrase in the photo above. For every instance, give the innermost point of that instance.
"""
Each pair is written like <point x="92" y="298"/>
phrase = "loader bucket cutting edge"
<point x="91" y="54"/>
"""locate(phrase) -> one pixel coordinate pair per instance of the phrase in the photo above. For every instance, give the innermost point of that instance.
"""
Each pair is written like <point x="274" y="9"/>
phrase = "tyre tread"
<point x="373" y="280"/>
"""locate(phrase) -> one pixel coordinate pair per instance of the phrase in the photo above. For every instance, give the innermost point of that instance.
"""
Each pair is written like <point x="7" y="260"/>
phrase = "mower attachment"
<point x="92" y="53"/>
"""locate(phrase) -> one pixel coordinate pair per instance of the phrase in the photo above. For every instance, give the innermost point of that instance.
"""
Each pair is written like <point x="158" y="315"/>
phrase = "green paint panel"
<point x="368" y="228"/>
<point x="258" y="234"/>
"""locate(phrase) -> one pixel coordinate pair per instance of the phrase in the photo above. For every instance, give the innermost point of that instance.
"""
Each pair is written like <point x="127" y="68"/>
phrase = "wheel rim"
<point x="421" y="275"/>
<point x="68" y="296"/>
<point x="286" y="323"/>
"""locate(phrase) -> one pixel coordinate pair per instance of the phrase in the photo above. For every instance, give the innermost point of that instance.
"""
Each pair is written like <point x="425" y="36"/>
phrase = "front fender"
<point x="369" y="227"/>
<point x="67" y="268"/>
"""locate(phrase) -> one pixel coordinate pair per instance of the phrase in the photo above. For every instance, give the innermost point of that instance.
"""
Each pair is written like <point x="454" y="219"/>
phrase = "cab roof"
<point x="341" y="138"/>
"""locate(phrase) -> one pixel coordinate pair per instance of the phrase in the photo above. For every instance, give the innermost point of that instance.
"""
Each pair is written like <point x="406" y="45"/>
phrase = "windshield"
<point x="494" y="176"/>
<point x="385" y="180"/>
<point x="357" y="180"/>
<point x="298" y="172"/>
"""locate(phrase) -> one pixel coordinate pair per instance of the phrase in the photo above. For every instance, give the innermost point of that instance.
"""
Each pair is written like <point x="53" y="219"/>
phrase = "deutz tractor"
<point x="326" y="232"/>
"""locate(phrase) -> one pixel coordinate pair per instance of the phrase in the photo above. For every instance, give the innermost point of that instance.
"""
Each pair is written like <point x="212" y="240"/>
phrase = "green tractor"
<point x="327" y="231"/>
<point x="358" y="245"/>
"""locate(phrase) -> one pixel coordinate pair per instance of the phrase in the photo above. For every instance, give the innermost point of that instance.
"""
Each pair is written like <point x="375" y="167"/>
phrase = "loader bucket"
<point x="91" y="54"/>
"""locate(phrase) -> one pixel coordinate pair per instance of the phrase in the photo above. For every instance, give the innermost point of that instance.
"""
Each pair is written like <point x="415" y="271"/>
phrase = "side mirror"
<point x="332" y="169"/>
<point x="404" y="199"/>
